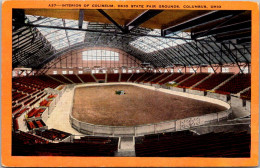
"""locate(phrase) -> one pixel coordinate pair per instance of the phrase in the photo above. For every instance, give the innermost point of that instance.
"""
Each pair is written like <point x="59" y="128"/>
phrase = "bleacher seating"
<point x="48" y="82"/>
<point x="26" y="138"/>
<point x="236" y="84"/>
<point x="125" y="77"/>
<point x="193" y="80"/>
<point x="100" y="76"/>
<point x="45" y="103"/>
<point x="23" y="88"/>
<point x="86" y="78"/>
<point x="16" y="108"/>
<point x="145" y="76"/>
<point x="112" y="77"/>
<point x="207" y="145"/>
<point x="213" y="81"/>
<point x="183" y="77"/>
<point x="135" y="76"/>
<point x="30" y="125"/>
<point x="35" y="112"/>
<point x="61" y="78"/>
<point x="53" y="134"/>
<point x="35" y="124"/>
<point x="65" y="149"/>
<point x="163" y="76"/>
<point x="96" y="140"/>
<point x="17" y="96"/>
<point x="73" y="78"/>
<point x="35" y="101"/>
<point x="37" y="82"/>
<point x="23" y="99"/>
<point x="29" y="101"/>
<point x="246" y="95"/>
<point x="152" y="77"/>
<point x="51" y="96"/>
<point x="170" y="78"/>
<point x="17" y="115"/>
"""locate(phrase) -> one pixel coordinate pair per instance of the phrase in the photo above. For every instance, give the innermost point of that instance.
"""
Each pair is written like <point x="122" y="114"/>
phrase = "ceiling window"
<point x="104" y="55"/>
<point x="57" y="37"/>
<point x="149" y="44"/>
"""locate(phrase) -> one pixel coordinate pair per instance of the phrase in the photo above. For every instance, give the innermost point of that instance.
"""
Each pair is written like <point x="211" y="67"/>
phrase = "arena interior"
<point x="142" y="83"/>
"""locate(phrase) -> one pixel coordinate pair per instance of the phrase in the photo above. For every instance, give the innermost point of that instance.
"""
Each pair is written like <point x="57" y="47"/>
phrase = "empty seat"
<point x="73" y="78"/>
<point x="86" y="78"/>
<point x="125" y="77"/>
<point x="171" y="78"/>
<point x="213" y="81"/>
<point x="193" y="80"/>
<point x="112" y="77"/>
<point x="236" y="84"/>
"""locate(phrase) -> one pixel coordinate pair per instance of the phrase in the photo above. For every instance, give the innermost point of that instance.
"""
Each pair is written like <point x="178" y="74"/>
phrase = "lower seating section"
<point x="17" y="96"/>
<point x="183" y="77"/>
<point x="36" y="82"/>
<point x="26" y="138"/>
<point x="135" y="76"/>
<point x="100" y="76"/>
<point x="145" y="76"/>
<point x="125" y="77"/>
<point x="193" y="80"/>
<point x="45" y="103"/>
<point x="213" y="81"/>
<point x="23" y="88"/>
<point x="112" y="77"/>
<point x="185" y="145"/>
<point x="163" y="76"/>
<point x="73" y="78"/>
<point x="61" y="78"/>
<point x="15" y="121"/>
<point x="152" y="77"/>
<point x="96" y="140"/>
<point x="51" y="96"/>
<point x="49" y="81"/>
<point x="16" y="108"/>
<point x="35" y="112"/>
<point x="29" y="101"/>
<point x="236" y="84"/>
<point x="20" y="112"/>
<point x="86" y="78"/>
<point x="86" y="148"/>
<point x="246" y="95"/>
<point x="52" y="134"/>
<point x="171" y="78"/>
<point x="34" y="124"/>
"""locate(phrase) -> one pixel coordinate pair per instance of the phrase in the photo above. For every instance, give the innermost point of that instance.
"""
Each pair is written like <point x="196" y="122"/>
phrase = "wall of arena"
<point x="139" y="130"/>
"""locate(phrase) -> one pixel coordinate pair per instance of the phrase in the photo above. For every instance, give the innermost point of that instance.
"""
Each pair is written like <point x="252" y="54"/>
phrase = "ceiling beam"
<point x="81" y="17"/>
<point x="236" y="35"/>
<point x="145" y="16"/>
<point x="200" y="20"/>
<point x="111" y="20"/>
<point x="242" y="54"/>
<point x="243" y="41"/>
<point x="105" y="32"/>
<point x="225" y="29"/>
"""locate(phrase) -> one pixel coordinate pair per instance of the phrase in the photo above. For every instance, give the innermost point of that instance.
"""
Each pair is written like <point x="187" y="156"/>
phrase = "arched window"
<point x="100" y="55"/>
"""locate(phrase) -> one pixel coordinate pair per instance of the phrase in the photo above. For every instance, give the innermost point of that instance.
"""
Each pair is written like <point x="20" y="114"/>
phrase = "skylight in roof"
<point x="59" y="38"/>
<point x="150" y="44"/>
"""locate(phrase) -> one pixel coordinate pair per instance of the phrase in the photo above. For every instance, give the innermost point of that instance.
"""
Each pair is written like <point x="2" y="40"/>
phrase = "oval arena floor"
<point x="101" y="106"/>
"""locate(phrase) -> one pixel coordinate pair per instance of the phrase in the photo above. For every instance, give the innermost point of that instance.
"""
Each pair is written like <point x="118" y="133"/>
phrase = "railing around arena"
<point x="139" y="130"/>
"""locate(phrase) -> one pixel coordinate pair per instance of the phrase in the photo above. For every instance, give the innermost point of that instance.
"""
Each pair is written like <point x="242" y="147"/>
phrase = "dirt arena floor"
<point x="100" y="105"/>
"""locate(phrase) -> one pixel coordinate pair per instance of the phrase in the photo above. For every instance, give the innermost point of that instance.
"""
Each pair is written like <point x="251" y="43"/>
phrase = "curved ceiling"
<point x="161" y="38"/>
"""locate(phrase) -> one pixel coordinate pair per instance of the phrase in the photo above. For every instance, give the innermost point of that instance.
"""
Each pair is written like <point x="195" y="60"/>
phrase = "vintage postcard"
<point x="130" y="83"/>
